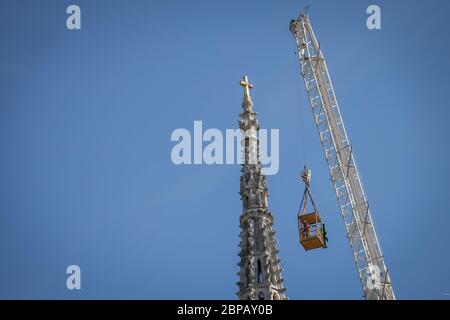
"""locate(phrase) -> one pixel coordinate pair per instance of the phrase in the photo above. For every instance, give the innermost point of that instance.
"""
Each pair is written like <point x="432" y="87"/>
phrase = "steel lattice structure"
<point x="352" y="199"/>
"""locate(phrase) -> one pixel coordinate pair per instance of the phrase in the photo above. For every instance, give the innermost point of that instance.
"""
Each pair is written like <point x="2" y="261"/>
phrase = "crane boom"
<point x="369" y="260"/>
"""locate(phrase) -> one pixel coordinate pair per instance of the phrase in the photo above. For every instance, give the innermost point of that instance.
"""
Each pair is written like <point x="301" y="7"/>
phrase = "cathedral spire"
<point x="260" y="272"/>
<point x="247" y="103"/>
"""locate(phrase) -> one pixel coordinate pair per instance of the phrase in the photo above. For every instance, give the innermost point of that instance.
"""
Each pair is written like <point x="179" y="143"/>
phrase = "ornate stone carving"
<point x="259" y="266"/>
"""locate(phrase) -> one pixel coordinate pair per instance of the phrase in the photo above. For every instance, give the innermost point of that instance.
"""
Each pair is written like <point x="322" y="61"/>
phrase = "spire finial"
<point x="247" y="86"/>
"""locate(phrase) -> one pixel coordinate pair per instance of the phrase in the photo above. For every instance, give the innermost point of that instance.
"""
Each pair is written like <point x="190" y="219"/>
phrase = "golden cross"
<point x="247" y="85"/>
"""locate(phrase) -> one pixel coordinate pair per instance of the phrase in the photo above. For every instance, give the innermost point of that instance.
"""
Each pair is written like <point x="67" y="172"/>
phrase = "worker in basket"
<point x="306" y="229"/>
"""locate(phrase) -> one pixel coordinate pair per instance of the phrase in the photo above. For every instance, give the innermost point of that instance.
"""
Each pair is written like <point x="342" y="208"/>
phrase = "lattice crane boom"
<point x="369" y="260"/>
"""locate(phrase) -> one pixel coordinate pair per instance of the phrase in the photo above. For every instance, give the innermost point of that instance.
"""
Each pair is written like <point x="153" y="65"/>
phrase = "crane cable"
<point x="302" y="136"/>
<point x="304" y="200"/>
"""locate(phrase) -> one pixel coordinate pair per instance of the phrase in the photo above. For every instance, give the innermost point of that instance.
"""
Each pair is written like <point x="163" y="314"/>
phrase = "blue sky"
<point x="86" y="117"/>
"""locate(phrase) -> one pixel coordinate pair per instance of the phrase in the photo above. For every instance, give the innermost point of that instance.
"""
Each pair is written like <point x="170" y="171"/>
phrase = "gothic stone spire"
<point x="260" y="272"/>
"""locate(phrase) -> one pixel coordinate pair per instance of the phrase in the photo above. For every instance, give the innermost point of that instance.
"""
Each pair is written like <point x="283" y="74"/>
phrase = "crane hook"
<point x="306" y="177"/>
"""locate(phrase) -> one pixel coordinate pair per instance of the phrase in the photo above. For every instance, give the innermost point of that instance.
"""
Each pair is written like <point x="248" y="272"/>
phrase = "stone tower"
<point x="260" y="272"/>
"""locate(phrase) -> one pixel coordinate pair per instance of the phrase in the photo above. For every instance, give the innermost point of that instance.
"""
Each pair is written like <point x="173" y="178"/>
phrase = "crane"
<point x="339" y="155"/>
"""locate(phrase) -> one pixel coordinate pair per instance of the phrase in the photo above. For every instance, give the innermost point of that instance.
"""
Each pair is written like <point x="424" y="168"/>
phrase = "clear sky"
<point x="86" y="116"/>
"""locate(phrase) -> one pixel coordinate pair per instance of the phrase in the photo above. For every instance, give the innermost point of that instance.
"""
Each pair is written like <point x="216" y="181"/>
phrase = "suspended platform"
<point x="311" y="229"/>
